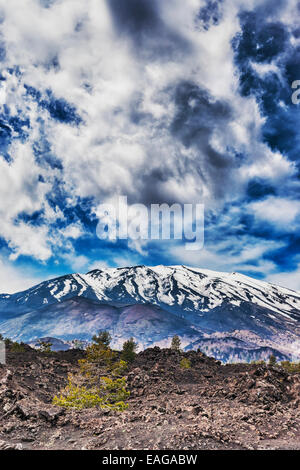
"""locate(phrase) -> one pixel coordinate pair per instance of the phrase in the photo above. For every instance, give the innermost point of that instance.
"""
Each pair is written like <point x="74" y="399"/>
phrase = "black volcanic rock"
<point x="207" y="406"/>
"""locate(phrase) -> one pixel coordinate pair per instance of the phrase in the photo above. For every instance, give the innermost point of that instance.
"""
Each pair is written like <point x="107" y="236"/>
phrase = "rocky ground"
<point x="209" y="406"/>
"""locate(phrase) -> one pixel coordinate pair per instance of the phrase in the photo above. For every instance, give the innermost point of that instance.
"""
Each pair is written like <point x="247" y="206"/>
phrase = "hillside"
<point x="208" y="406"/>
<point x="230" y="315"/>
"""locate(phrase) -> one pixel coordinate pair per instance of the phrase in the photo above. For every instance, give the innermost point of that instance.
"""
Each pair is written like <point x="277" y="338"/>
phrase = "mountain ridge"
<point x="154" y="303"/>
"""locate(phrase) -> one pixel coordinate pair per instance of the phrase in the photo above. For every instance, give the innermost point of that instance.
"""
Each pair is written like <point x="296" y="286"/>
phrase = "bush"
<point x="17" y="347"/>
<point x="129" y="350"/>
<point x="292" y="367"/>
<point x="108" y="394"/>
<point x="185" y="363"/>
<point x="260" y="362"/>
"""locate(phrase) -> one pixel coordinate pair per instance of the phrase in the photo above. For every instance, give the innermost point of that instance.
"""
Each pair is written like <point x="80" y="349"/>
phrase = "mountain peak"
<point x="152" y="303"/>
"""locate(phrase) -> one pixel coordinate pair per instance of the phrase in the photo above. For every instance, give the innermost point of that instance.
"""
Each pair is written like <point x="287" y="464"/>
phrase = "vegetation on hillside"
<point x="99" y="381"/>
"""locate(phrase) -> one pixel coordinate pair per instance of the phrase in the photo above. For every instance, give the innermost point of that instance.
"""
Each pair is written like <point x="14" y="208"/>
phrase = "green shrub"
<point x="185" y="363"/>
<point x="108" y="394"/>
<point x="258" y="363"/>
<point x="17" y="347"/>
<point x="292" y="367"/>
<point x="44" y="347"/>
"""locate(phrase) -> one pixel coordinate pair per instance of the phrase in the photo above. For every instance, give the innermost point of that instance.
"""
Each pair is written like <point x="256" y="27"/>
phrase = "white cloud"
<point x="111" y="152"/>
<point x="278" y="211"/>
<point x="230" y="255"/>
<point x="124" y="145"/>
<point x="73" y="231"/>
<point x="287" y="279"/>
<point x="13" y="279"/>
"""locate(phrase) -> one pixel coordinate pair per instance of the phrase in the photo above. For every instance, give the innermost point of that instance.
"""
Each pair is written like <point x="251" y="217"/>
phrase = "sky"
<point x="162" y="102"/>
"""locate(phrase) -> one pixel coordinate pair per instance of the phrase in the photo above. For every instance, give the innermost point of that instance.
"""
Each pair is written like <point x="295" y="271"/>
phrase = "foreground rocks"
<point x="208" y="406"/>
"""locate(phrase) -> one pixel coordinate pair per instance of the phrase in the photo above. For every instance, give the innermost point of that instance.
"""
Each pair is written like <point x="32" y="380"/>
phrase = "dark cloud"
<point x="198" y="115"/>
<point x="259" y="189"/>
<point x="142" y="22"/>
<point x="47" y="3"/>
<point x="2" y="51"/>
<point x="135" y="16"/>
<point x="152" y="190"/>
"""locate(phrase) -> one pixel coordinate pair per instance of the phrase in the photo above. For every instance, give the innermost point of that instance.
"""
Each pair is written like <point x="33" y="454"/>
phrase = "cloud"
<point x="290" y="279"/>
<point x="231" y="255"/>
<point x="160" y="101"/>
<point x="14" y="280"/>
<point x="280" y="212"/>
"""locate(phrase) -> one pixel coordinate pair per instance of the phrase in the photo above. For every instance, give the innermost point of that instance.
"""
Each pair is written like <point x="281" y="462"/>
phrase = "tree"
<point x="103" y="339"/>
<point x="129" y="350"/>
<point x="272" y="360"/>
<point x="17" y="347"/>
<point x="176" y="342"/>
<point x="99" y="381"/>
<point x="78" y="344"/>
<point x="44" y="347"/>
<point x="108" y="393"/>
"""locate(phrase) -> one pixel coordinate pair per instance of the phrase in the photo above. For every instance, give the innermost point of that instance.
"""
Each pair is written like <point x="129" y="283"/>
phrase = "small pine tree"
<point x="99" y="381"/>
<point x="44" y="347"/>
<point x="272" y="360"/>
<point x="129" y="350"/>
<point x="78" y="344"/>
<point x="102" y="339"/>
<point x="176" y="343"/>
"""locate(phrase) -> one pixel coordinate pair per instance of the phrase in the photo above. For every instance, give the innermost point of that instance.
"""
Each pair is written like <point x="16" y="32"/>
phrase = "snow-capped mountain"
<point x="153" y="303"/>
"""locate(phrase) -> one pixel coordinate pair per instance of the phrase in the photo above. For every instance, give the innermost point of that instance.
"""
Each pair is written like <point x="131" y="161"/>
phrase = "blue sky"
<point x="176" y="102"/>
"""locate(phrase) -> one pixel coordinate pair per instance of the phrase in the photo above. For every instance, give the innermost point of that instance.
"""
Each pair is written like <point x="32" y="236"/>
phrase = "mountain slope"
<point x="153" y="303"/>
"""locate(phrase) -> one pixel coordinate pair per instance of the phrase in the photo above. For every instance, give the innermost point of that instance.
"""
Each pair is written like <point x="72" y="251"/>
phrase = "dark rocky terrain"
<point x="209" y="406"/>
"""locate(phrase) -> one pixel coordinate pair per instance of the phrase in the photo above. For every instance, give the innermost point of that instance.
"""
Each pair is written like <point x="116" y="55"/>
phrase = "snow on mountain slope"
<point x="200" y="289"/>
<point x="200" y="302"/>
<point x="189" y="288"/>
